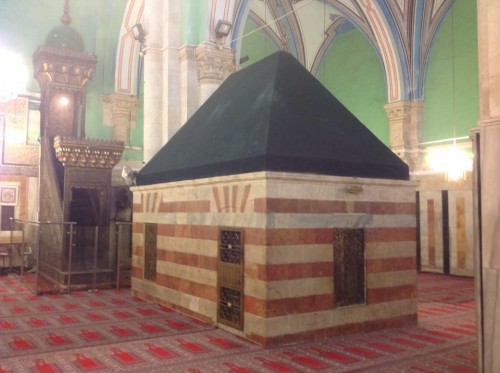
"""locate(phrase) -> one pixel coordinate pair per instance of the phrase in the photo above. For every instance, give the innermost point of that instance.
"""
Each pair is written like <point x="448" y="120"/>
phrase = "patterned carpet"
<point x="110" y="331"/>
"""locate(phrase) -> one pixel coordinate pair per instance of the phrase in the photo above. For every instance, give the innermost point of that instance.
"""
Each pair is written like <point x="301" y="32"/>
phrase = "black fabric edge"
<point x="278" y="164"/>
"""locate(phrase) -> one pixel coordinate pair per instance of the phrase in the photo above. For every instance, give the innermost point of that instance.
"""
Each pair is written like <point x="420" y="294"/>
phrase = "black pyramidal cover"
<point x="272" y="116"/>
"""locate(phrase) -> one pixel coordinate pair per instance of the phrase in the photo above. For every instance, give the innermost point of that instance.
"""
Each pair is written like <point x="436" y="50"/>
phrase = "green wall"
<point x="352" y="71"/>
<point x="451" y="91"/>
<point x="256" y="45"/>
<point x="193" y="20"/>
<point x="99" y="23"/>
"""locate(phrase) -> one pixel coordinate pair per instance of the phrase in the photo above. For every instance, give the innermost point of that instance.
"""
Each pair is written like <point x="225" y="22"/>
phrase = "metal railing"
<point x="124" y="242"/>
<point x="63" y="256"/>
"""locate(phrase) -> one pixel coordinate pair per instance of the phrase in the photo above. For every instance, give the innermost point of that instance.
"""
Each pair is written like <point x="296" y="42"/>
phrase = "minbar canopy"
<point x="272" y="116"/>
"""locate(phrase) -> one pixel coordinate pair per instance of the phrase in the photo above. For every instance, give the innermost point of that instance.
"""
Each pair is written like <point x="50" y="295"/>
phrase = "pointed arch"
<point x="127" y="56"/>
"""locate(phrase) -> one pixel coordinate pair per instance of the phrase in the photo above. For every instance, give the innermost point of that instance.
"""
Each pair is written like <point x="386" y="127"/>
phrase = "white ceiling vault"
<point x="401" y="32"/>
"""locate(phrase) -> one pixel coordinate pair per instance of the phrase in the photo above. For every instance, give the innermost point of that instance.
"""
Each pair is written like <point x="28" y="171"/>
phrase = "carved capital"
<point x="119" y="105"/>
<point x="214" y="64"/>
<point x="89" y="153"/>
<point x="119" y="111"/>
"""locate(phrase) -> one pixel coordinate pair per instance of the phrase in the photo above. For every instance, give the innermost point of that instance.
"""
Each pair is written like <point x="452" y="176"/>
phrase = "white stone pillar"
<point x="161" y="73"/>
<point x="405" y="130"/>
<point x="153" y="73"/>
<point x="488" y="266"/>
<point x="190" y="89"/>
<point x="171" y="69"/>
<point x="214" y="64"/>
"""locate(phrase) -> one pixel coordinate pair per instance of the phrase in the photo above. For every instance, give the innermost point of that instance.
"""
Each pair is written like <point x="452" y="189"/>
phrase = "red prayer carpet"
<point x="111" y="331"/>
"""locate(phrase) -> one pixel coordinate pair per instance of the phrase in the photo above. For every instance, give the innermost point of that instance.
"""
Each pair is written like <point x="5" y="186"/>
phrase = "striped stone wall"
<point x="288" y="222"/>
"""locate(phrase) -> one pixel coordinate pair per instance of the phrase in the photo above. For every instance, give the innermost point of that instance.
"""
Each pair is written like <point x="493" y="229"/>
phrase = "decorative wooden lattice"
<point x="230" y="278"/>
<point x="349" y="266"/>
<point x="150" y="237"/>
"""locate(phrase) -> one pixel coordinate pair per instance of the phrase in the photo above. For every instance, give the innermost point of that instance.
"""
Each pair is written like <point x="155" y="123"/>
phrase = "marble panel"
<point x="461" y="232"/>
<point x="431" y="231"/>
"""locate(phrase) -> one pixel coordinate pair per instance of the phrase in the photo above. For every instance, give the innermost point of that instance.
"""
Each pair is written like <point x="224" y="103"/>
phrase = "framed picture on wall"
<point x="8" y="195"/>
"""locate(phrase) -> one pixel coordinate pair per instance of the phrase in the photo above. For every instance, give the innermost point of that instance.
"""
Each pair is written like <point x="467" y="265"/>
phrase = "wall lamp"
<point x="223" y="28"/>
<point x="138" y="32"/>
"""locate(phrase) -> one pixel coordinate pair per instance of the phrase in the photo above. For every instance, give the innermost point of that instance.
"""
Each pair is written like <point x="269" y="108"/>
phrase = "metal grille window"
<point x="230" y="278"/>
<point x="150" y="238"/>
<point x="349" y="266"/>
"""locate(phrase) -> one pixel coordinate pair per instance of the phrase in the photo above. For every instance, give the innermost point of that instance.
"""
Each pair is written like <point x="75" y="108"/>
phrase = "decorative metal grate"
<point x="150" y="237"/>
<point x="230" y="247"/>
<point x="230" y="278"/>
<point x="349" y="266"/>
<point x="230" y="310"/>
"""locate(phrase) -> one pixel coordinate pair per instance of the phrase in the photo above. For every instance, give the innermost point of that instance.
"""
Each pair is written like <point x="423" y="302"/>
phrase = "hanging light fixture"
<point x="453" y="160"/>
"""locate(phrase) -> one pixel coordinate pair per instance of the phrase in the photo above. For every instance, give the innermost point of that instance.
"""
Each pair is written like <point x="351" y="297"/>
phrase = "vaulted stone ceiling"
<point x="401" y="32"/>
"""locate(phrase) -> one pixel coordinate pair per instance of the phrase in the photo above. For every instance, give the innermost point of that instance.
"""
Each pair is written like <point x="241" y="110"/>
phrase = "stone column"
<point x="153" y="74"/>
<point x="171" y="100"/>
<point x="214" y="64"/>
<point x="190" y="90"/>
<point x="405" y="129"/>
<point x="119" y="112"/>
<point x="488" y="266"/>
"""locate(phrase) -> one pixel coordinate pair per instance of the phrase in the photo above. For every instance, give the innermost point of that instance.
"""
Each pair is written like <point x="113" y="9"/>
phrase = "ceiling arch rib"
<point x="273" y="11"/>
<point x="330" y="34"/>
<point x="292" y="29"/>
<point x="402" y="32"/>
<point x="428" y="21"/>
<point x="242" y="12"/>
<point x="400" y="13"/>
<point x="261" y="23"/>
<point x="366" y="15"/>
<point x="354" y="13"/>
<point x="387" y="48"/>
<point x="278" y="20"/>
<point x="315" y="18"/>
